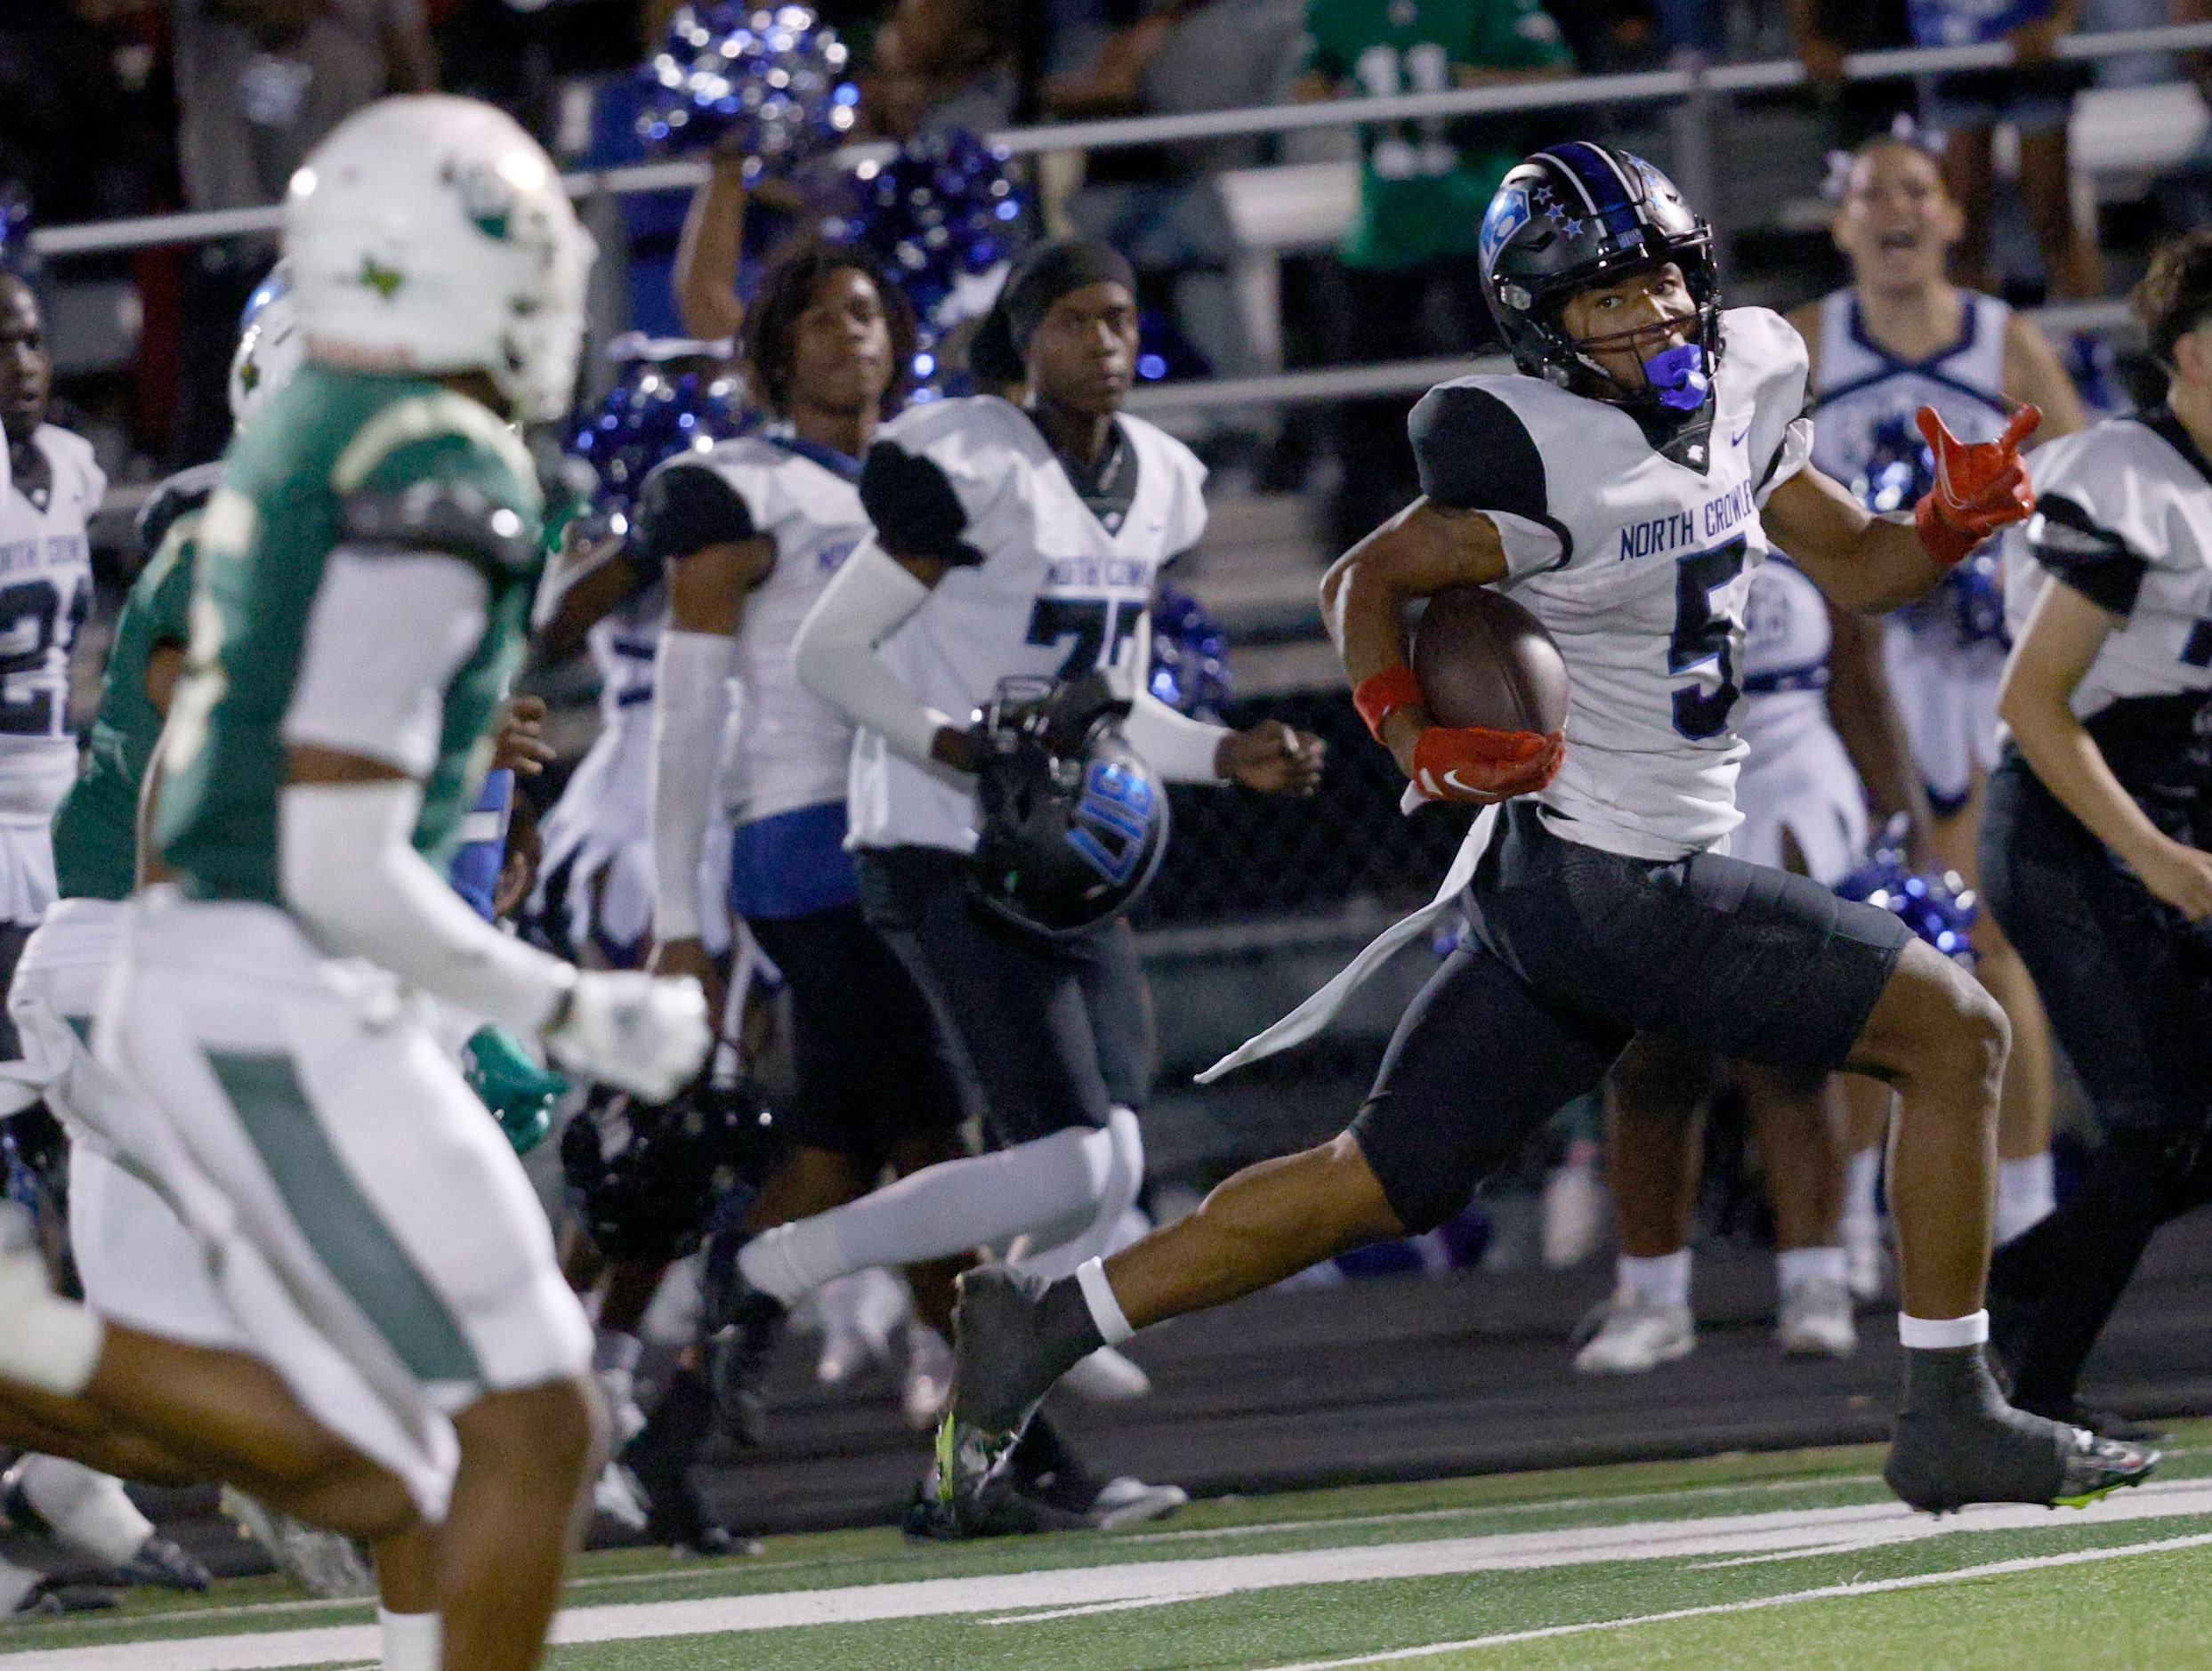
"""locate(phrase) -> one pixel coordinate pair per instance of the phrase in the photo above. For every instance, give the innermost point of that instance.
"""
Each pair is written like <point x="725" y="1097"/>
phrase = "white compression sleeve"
<point x="348" y="867"/>
<point x="692" y="674"/>
<point x="1125" y="1177"/>
<point x="1180" y="748"/>
<point x="942" y="1209"/>
<point x="833" y="651"/>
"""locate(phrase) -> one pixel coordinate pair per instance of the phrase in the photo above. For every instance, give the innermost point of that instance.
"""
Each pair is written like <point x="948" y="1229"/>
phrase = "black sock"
<point x="1940" y="1376"/>
<point x="1064" y="1325"/>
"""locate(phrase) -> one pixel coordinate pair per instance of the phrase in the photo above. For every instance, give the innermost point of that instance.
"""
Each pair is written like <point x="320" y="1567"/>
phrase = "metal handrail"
<point x="1646" y="87"/>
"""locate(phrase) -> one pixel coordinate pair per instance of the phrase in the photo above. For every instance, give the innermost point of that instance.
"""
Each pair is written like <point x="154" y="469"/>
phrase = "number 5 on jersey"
<point x="1703" y="635"/>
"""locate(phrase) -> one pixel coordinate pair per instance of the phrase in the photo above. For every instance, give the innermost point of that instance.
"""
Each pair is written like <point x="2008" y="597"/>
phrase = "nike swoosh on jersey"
<point x="1737" y="439"/>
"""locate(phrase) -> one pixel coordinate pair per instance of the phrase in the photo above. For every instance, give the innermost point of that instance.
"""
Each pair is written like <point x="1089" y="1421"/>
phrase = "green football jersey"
<point x="339" y="458"/>
<point x="1425" y="185"/>
<point x="95" y="828"/>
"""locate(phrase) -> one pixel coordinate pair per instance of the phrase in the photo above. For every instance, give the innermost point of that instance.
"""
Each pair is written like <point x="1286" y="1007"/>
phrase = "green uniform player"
<point x="1425" y="186"/>
<point x="95" y="829"/>
<point x="384" y="463"/>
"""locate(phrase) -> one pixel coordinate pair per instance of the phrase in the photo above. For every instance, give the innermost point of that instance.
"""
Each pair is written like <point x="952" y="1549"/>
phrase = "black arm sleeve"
<point x="685" y="507"/>
<point x="912" y="503"/>
<point x="453" y="517"/>
<point x="2093" y="560"/>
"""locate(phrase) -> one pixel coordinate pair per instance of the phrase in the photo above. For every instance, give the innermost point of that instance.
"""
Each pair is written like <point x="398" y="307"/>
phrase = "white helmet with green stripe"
<point x="431" y="235"/>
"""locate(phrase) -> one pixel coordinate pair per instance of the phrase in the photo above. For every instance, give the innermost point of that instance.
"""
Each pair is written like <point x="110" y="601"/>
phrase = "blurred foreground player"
<point x="363" y="579"/>
<point x="2097" y="849"/>
<point x="1622" y="485"/>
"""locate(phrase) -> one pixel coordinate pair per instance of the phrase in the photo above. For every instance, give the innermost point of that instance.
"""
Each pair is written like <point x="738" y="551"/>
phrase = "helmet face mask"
<point x="1579" y="216"/>
<point x="431" y="236"/>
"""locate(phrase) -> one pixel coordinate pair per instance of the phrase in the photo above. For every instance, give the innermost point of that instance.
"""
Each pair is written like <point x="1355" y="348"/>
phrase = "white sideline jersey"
<point x="1049" y="579"/>
<point x="1798" y="787"/>
<point x="2124" y="516"/>
<point x="1638" y="559"/>
<point x="787" y="749"/>
<point x="46" y="593"/>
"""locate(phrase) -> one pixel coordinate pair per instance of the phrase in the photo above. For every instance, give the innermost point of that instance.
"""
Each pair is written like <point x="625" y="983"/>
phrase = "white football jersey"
<point x="2124" y="516"/>
<point x="1785" y="645"/>
<point x="46" y="593"/>
<point x="787" y="750"/>
<point x="1048" y="581"/>
<point x="1639" y="561"/>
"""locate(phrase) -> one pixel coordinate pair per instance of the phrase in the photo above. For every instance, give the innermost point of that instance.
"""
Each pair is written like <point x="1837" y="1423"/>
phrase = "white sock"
<point x="1661" y="1281"/>
<point x="1942" y="1333"/>
<point x="15" y="1584"/>
<point x="88" y="1511"/>
<point x="1098" y="1294"/>
<point x="947" y="1208"/>
<point x="1794" y="1267"/>
<point x="2025" y="1196"/>
<point x="413" y="1641"/>
<point x="49" y="1343"/>
<point x="1862" y="1175"/>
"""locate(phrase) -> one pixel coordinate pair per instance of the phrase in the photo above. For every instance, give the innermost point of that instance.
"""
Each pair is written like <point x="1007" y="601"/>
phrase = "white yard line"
<point x="1146" y="1581"/>
<point x="1995" y="1568"/>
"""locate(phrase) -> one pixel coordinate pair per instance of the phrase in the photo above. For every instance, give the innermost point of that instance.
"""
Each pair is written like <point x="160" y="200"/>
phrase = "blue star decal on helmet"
<point x="1570" y="229"/>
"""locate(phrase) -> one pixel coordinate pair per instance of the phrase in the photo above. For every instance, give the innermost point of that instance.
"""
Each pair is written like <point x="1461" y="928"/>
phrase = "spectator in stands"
<point x="1423" y="187"/>
<point x="945" y="64"/>
<point x="1161" y="206"/>
<point x="259" y="84"/>
<point x="1825" y="32"/>
<point x="2037" y="97"/>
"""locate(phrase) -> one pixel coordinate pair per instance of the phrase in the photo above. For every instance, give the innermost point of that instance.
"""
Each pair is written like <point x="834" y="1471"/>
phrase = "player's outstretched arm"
<point x="1870" y="563"/>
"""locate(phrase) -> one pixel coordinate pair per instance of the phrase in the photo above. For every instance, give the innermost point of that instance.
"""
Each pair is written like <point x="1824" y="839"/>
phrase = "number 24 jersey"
<point x="1046" y="580"/>
<point x="1637" y="559"/>
<point x="45" y="590"/>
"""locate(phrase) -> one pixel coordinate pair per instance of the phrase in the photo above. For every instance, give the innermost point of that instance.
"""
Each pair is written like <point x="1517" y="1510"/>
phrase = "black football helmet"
<point x="1074" y="820"/>
<point x="1582" y="213"/>
<point x="645" y="1177"/>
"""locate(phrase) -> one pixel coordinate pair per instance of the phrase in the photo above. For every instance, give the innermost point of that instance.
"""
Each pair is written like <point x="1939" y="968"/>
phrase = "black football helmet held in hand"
<point x="1074" y="821"/>
<point x="1581" y="214"/>
<point x="645" y="1177"/>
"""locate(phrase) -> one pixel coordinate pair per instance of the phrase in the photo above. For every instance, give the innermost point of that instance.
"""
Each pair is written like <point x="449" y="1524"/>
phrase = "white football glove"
<point x="640" y="1032"/>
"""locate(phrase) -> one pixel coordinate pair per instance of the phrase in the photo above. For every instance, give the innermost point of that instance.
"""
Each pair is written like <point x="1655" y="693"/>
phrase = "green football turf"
<point x="1572" y="1568"/>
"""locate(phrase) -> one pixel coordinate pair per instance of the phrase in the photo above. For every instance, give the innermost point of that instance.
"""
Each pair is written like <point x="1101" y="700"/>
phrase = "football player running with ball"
<point x="363" y="578"/>
<point x="1622" y="487"/>
<point x="1016" y="542"/>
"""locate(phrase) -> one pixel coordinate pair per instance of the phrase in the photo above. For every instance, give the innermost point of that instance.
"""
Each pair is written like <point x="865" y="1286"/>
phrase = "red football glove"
<point x="1979" y="487"/>
<point x="1472" y="763"/>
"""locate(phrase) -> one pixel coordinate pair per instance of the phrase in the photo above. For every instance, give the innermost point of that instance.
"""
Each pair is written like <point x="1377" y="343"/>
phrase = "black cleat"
<point x="738" y="1369"/>
<point x="161" y="1564"/>
<point x="2103" y="1424"/>
<point x="1958" y="1443"/>
<point x="972" y="1492"/>
<point x="1014" y="1335"/>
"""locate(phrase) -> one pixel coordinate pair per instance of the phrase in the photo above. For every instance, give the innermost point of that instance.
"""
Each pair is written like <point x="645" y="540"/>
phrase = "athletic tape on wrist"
<point x="1942" y="1333"/>
<point x="1098" y="1294"/>
<point x="1380" y="697"/>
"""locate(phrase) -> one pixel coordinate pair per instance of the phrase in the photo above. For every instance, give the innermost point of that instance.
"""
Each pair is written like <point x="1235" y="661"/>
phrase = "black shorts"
<point x="1575" y="952"/>
<point x="1042" y="1034"/>
<point x="2126" y="980"/>
<point x="869" y="1067"/>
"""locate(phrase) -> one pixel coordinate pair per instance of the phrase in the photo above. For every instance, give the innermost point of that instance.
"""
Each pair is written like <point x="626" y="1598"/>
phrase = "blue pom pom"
<point x="765" y="81"/>
<point x="1190" y="655"/>
<point x="1939" y="908"/>
<point x="672" y="396"/>
<point x="15" y="230"/>
<point x="940" y="217"/>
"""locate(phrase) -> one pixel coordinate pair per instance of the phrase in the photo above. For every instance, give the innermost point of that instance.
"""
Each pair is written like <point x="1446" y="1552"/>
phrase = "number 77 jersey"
<point x="1050" y="572"/>
<point x="1634" y="543"/>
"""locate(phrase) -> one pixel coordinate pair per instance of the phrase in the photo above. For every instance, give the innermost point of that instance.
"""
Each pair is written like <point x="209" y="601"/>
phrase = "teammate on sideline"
<point x="1819" y="732"/>
<point x="751" y="534"/>
<point x="1620" y="486"/>
<point x="1899" y="337"/>
<point x="361" y="588"/>
<point x="1009" y="540"/>
<point x="2097" y="849"/>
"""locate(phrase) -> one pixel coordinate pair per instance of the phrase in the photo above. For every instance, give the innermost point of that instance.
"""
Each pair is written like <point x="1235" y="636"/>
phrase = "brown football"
<point x="1484" y="661"/>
